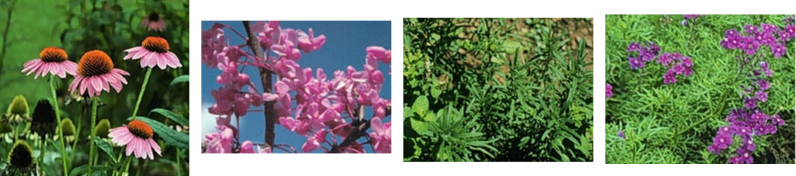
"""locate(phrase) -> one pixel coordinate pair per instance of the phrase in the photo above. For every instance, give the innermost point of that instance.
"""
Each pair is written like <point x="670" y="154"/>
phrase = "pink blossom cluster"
<point x="322" y="109"/>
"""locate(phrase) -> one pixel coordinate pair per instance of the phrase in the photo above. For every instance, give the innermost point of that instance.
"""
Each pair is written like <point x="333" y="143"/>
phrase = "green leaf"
<point x="170" y="136"/>
<point x="524" y="140"/>
<point x="171" y="115"/>
<point x="105" y="147"/>
<point x="79" y="170"/>
<point x="84" y="168"/>
<point x="435" y="37"/>
<point x="418" y="126"/>
<point x="430" y="117"/>
<point x="511" y="46"/>
<point x="421" y="105"/>
<point x="435" y="92"/>
<point x="179" y="79"/>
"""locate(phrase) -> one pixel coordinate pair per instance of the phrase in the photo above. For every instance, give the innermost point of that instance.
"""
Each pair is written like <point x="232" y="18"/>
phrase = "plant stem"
<point x="41" y="151"/>
<point x="121" y="154"/>
<point x="179" y="169"/>
<point x="91" y="139"/>
<point x="266" y="79"/>
<point x="723" y="104"/>
<point x="127" y="165"/>
<point x="60" y="130"/>
<point x="141" y="93"/>
<point x="76" y="133"/>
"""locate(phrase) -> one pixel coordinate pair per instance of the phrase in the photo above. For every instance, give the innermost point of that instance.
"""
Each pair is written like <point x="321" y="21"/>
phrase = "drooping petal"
<point x="154" y="146"/>
<point x="129" y="149"/>
<point x="174" y="60"/>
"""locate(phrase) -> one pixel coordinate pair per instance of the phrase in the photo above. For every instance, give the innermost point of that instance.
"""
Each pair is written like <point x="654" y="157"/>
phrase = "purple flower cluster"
<point x="644" y="54"/>
<point x="745" y="123"/>
<point x="788" y="20"/>
<point x="608" y="93"/>
<point x="749" y="121"/>
<point x="688" y="17"/>
<point x="756" y="37"/>
<point x="677" y="64"/>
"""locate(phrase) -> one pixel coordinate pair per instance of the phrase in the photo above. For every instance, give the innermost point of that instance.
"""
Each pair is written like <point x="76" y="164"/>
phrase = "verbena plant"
<point x="483" y="90"/>
<point x="664" y="119"/>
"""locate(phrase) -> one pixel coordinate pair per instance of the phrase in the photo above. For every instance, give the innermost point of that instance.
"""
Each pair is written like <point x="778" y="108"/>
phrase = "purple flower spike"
<point x="622" y="135"/>
<point x="691" y="16"/>
<point x="608" y="93"/>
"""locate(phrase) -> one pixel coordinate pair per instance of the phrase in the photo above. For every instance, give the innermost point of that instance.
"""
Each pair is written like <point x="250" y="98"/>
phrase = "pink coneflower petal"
<point x="31" y="65"/>
<point x="161" y="61"/>
<point x="134" y="53"/>
<point x="51" y="60"/>
<point x="71" y="68"/>
<point x="84" y="86"/>
<point x="137" y="139"/>
<point x="154" y="51"/>
<point x="74" y="84"/>
<point x="96" y="74"/>
<point x="154" y="145"/>
<point x="173" y="60"/>
<point x="130" y="147"/>
<point x="154" y="22"/>
<point x="120" y="135"/>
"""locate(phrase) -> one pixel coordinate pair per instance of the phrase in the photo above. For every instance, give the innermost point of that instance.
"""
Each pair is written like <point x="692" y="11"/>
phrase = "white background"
<point x="395" y="11"/>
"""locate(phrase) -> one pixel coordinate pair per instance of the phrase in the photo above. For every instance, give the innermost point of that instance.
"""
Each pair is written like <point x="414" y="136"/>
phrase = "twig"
<point x="361" y="126"/>
<point x="265" y="78"/>
<point x="5" y="31"/>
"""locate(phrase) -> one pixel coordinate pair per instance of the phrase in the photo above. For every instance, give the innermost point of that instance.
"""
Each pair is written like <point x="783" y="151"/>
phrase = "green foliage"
<point x="27" y="26"/>
<point x="170" y="136"/>
<point x="527" y="93"/>
<point x="179" y="79"/>
<point x="105" y="147"/>
<point x="676" y="123"/>
<point x="448" y="135"/>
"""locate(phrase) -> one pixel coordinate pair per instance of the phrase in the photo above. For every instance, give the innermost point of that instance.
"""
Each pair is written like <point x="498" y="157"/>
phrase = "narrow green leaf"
<point x="102" y="144"/>
<point x="171" y="115"/>
<point x="78" y="170"/>
<point x="179" y="79"/>
<point x="170" y="136"/>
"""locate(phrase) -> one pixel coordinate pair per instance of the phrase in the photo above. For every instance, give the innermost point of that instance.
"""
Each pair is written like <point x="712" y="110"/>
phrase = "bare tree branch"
<point x="265" y="78"/>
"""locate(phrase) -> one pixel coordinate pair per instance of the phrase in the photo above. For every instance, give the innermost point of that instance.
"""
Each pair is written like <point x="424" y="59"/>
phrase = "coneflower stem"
<point x="127" y="162"/>
<point x="60" y="130"/>
<point x="179" y="163"/>
<point x="141" y="93"/>
<point x="42" y="150"/>
<point x="91" y="139"/>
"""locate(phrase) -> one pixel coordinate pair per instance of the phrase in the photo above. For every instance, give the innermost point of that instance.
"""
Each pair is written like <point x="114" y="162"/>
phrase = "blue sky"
<point x="345" y="45"/>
